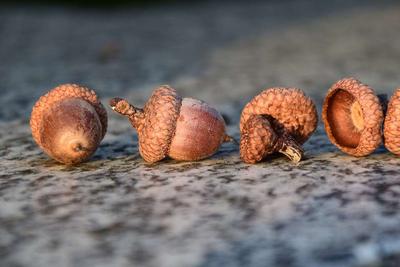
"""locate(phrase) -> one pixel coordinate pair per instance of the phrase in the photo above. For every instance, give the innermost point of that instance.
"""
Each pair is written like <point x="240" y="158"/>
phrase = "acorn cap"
<point x="61" y="92"/>
<point x="257" y="139"/>
<point x="391" y="128"/>
<point x="289" y="109"/>
<point x="352" y="115"/>
<point x="158" y="127"/>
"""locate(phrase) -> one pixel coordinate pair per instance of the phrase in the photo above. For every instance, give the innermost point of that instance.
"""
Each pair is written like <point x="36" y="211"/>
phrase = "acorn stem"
<point x="137" y="117"/>
<point x="288" y="146"/>
<point x="123" y="107"/>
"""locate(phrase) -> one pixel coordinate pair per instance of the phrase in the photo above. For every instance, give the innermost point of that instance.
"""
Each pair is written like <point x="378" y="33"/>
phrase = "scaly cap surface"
<point x="257" y="139"/>
<point x="288" y="107"/>
<point x="158" y="128"/>
<point x="392" y="124"/>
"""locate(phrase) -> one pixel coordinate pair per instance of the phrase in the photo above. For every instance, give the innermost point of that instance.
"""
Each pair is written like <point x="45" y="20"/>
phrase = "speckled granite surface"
<point x="330" y="210"/>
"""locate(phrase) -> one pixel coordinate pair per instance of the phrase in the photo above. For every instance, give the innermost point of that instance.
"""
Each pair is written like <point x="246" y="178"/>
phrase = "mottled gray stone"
<point x="116" y="210"/>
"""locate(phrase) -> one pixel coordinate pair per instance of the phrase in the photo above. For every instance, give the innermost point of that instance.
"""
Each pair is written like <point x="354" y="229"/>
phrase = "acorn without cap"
<point x="391" y="129"/>
<point x="181" y="128"/>
<point x="68" y="123"/>
<point x="352" y="115"/>
<point x="276" y="120"/>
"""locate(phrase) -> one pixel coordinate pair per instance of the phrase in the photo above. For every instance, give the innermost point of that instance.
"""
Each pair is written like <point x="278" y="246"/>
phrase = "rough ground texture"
<point x="330" y="210"/>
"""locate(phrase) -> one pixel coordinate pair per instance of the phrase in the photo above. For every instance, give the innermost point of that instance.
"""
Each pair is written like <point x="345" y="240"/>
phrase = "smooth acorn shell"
<point x="199" y="132"/>
<point x="71" y="131"/>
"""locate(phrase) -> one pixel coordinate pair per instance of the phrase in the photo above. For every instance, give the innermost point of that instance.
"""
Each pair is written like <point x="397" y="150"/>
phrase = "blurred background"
<point x="223" y="52"/>
<point x="99" y="3"/>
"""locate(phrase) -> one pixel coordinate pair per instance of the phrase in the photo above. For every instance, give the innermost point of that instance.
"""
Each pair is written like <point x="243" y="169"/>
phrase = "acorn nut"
<point x="68" y="123"/>
<point x="352" y="115"/>
<point x="276" y="120"/>
<point x="391" y="129"/>
<point x="182" y="128"/>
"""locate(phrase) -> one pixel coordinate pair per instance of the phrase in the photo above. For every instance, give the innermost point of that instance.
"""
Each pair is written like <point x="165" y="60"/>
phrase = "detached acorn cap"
<point x="285" y="116"/>
<point x="161" y="113"/>
<point x="392" y="124"/>
<point x="290" y="109"/>
<point x="352" y="115"/>
<point x="63" y="93"/>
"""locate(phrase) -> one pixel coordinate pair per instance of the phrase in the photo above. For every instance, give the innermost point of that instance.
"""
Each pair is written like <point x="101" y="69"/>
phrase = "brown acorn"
<point x="352" y="115"/>
<point x="183" y="129"/>
<point x="276" y="120"/>
<point x="68" y="123"/>
<point x="391" y="130"/>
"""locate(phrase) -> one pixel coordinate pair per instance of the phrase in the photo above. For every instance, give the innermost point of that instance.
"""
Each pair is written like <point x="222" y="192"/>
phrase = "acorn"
<point x="353" y="116"/>
<point x="391" y="129"/>
<point x="68" y="123"/>
<point x="184" y="129"/>
<point x="277" y="120"/>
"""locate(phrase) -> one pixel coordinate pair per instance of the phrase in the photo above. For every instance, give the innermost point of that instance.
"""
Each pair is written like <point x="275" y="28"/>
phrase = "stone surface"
<point x="330" y="210"/>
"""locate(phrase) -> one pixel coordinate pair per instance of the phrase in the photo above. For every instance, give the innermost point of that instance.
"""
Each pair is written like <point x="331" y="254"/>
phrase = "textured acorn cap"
<point x="257" y="139"/>
<point x="287" y="108"/>
<point x="61" y="92"/>
<point x="158" y="128"/>
<point x="352" y="115"/>
<point x="392" y="124"/>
